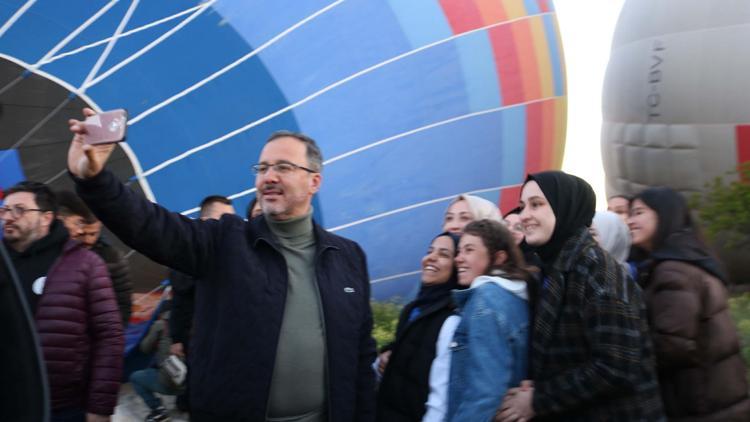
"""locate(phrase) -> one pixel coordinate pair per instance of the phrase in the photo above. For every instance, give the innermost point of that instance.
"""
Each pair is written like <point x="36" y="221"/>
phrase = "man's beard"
<point x="21" y="236"/>
<point x="273" y="210"/>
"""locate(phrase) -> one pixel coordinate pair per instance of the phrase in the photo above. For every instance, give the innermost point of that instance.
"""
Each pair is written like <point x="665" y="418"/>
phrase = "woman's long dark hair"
<point x="677" y="236"/>
<point x="496" y="237"/>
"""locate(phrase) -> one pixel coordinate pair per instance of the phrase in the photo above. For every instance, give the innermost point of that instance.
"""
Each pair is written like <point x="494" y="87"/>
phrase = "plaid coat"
<point x="591" y="355"/>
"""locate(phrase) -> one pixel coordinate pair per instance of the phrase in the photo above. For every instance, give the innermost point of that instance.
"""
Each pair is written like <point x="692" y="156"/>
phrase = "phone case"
<point x="106" y="127"/>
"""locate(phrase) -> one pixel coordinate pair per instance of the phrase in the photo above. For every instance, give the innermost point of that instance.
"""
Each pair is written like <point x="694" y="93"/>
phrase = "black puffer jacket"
<point x="405" y="386"/>
<point x="119" y="272"/>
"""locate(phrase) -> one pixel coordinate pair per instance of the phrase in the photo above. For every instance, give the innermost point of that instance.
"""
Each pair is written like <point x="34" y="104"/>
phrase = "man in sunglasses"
<point x="70" y="294"/>
<point x="282" y="317"/>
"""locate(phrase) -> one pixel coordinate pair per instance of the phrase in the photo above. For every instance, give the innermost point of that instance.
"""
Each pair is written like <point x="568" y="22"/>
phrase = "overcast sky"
<point x="586" y="28"/>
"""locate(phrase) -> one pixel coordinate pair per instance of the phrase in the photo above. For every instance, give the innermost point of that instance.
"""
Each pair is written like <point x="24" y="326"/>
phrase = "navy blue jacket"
<point x="240" y="302"/>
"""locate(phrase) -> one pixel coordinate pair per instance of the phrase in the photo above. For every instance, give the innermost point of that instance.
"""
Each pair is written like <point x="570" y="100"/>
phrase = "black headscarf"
<point x="435" y="293"/>
<point x="574" y="203"/>
<point x="675" y="238"/>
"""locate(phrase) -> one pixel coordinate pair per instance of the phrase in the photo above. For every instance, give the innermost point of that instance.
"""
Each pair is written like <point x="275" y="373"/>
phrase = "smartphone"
<point x="106" y="127"/>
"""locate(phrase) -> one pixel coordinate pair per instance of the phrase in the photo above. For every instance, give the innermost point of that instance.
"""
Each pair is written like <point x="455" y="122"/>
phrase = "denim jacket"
<point x="489" y="348"/>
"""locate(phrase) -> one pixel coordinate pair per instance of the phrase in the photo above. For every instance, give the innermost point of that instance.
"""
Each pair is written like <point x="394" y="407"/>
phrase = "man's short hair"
<point x="68" y="204"/>
<point x="211" y="199"/>
<point x="314" y="156"/>
<point x="43" y="195"/>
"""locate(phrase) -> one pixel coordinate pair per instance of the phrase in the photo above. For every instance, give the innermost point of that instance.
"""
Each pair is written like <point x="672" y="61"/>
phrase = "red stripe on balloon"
<point x="743" y="144"/>
<point x="462" y="15"/>
<point x="509" y="198"/>
<point x="506" y="62"/>
<point x="534" y="135"/>
<point x="543" y="6"/>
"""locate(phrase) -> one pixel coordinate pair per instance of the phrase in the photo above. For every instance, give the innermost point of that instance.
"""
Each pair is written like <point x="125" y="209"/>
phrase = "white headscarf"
<point x="480" y="208"/>
<point x="614" y="236"/>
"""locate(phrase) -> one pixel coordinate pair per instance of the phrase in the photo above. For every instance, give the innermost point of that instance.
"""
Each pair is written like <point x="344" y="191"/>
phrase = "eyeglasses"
<point x="283" y="167"/>
<point x="17" y="211"/>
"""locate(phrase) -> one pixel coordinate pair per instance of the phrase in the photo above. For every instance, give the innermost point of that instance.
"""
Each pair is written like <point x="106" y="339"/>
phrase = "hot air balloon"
<point x="412" y="102"/>
<point x="675" y="102"/>
<point x="676" y="109"/>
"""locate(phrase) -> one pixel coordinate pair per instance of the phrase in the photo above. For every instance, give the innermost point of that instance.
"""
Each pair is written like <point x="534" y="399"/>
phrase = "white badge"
<point x="38" y="286"/>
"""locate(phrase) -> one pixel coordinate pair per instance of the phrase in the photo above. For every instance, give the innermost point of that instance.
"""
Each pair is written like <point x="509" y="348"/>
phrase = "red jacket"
<point x="80" y="331"/>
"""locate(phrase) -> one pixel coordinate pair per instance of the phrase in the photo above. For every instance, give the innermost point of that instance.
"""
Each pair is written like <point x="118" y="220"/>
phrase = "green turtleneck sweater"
<point x="298" y="387"/>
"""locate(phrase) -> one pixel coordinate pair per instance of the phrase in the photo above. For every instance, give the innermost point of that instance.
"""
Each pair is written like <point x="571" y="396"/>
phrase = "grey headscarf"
<point x="614" y="235"/>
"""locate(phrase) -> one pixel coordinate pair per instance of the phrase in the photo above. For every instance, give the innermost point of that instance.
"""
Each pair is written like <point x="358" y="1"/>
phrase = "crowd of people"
<point x="561" y="313"/>
<point x="550" y="312"/>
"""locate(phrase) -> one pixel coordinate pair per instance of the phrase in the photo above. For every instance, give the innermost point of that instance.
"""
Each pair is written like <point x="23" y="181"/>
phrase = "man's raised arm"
<point x="166" y="237"/>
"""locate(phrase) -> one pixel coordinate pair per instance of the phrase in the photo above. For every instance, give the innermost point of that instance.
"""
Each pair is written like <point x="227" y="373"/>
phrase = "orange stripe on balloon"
<point x="506" y="63"/>
<point x="514" y="8"/>
<point x="527" y="60"/>
<point x="544" y="65"/>
<point x="491" y="11"/>
<point x="561" y="117"/>
<point x="534" y="138"/>
<point x="462" y="16"/>
<point x="550" y="156"/>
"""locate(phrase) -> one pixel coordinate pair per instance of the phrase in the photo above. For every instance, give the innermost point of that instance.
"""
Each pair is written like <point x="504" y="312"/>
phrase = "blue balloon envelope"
<point x="412" y="102"/>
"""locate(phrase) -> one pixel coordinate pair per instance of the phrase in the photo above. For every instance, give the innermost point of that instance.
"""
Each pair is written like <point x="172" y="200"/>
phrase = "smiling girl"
<point x="591" y="357"/>
<point x="489" y="348"/>
<point x="406" y="364"/>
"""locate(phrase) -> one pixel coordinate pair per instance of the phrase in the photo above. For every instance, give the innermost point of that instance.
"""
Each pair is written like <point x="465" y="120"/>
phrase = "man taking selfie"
<point x="286" y="332"/>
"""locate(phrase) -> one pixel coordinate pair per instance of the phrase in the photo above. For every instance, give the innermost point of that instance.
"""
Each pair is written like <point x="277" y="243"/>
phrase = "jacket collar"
<point x="403" y="326"/>
<point x="516" y="288"/>
<point x="71" y="244"/>
<point x="572" y="249"/>
<point x="57" y="239"/>
<point x="323" y="239"/>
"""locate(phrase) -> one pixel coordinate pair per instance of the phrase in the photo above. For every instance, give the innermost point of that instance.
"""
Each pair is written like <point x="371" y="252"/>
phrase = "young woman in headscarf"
<point x="591" y="356"/>
<point x="467" y="208"/>
<point x="613" y="235"/>
<point x="406" y="365"/>
<point x="489" y="352"/>
<point x="701" y="371"/>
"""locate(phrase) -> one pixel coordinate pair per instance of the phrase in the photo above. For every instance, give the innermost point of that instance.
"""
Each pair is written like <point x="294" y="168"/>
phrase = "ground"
<point x="130" y="407"/>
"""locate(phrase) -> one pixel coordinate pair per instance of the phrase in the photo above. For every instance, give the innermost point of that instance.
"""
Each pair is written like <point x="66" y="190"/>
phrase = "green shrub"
<point x="740" y="307"/>
<point x="725" y="207"/>
<point x="385" y="319"/>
